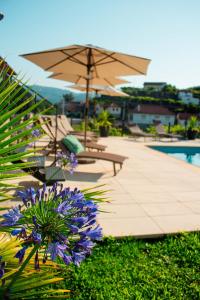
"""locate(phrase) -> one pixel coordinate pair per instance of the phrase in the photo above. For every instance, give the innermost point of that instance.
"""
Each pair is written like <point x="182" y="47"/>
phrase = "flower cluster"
<point x="59" y="220"/>
<point x="67" y="161"/>
<point x="35" y="132"/>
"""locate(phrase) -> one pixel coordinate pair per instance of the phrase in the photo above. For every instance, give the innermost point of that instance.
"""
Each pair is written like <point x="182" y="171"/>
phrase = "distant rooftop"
<point x="155" y="83"/>
<point x="152" y="110"/>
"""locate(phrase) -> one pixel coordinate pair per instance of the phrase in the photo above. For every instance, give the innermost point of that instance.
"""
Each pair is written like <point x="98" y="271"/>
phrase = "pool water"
<point x="190" y="155"/>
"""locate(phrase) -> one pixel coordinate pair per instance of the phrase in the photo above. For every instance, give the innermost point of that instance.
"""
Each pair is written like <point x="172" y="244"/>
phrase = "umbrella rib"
<point x="109" y="82"/>
<point x="61" y="61"/>
<point x="74" y="59"/>
<point x="102" y="52"/>
<point x="117" y="60"/>
<point x="41" y="52"/>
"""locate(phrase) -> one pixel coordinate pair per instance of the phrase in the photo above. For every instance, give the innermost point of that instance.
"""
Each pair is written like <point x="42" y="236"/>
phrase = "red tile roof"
<point x="152" y="110"/>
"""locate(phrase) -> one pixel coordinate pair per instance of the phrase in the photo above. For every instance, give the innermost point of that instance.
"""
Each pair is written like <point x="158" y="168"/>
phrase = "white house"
<point x="147" y="114"/>
<point x="158" y="86"/>
<point x="183" y="118"/>
<point x="187" y="97"/>
<point x="112" y="108"/>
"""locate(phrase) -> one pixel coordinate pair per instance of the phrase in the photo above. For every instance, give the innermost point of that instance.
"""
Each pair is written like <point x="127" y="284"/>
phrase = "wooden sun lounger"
<point x="161" y="133"/>
<point x="50" y="131"/>
<point x="136" y="131"/>
<point x="65" y="124"/>
<point x="65" y="131"/>
<point x="114" y="158"/>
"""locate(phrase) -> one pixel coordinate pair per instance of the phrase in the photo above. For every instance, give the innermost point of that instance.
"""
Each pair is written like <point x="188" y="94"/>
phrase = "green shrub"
<point x="178" y="129"/>
<point x="113" y="131"/>
<point x="151" y="129"/>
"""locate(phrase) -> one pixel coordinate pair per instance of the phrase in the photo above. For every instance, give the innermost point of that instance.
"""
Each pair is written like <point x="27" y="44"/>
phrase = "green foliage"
<point x="193" y="123"/>
<point x="104" y="119"/>
<point x="135" y="269"/>
<point x="178" y="129"/>
<point x="151" y="129"/>
<point x="113" y="131"/>
<point x="69" y="97"/>
<point x="94" y="125"/>
<point x="16" y="127"/>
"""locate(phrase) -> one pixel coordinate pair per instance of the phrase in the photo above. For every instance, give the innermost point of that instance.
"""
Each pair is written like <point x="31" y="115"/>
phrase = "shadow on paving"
<point x="83" y="176"/>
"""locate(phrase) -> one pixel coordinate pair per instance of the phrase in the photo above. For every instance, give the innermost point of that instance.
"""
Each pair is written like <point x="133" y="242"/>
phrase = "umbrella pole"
<point x="56" y="134"/>
<point x="87" y="94"/>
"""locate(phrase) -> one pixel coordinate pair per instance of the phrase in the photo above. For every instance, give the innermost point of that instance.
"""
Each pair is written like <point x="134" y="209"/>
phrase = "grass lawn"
<point x="138" y="269"/>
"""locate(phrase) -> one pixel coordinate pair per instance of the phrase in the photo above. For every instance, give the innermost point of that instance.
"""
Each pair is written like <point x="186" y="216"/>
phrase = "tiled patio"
<point x="152" y="195"/>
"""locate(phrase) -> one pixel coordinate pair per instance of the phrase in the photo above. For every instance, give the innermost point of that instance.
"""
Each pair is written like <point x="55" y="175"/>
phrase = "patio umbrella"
<point x="81" y="80"/>
<point x="103" y="90"/>
<point x="89" y="61"/>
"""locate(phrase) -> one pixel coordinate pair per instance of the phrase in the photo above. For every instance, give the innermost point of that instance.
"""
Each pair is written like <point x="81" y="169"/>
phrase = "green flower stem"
<point x="17" y="274"/>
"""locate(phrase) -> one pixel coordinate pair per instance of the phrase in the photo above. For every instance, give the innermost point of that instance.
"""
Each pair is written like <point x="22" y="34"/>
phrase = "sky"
<point x="165" y="31"/>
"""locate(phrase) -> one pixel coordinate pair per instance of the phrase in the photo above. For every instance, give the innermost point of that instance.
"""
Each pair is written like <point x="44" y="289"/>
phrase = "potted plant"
<point x="104" y="123"/>
<point x="192" y="129"/>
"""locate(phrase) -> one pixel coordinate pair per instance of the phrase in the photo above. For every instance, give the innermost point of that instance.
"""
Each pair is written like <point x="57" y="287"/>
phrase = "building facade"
<point x="187" y="97"/>
<point x="146" y="114"/>
<point x="157" y="86"/>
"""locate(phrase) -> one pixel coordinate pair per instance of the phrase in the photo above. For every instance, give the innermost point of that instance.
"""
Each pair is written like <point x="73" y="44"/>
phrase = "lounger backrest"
<point x="135" y="128"/>
<point x="51" y="130"/>
<point x="160" y="128"/>
<point x="66" y="123"/>
<point x="44" y="126"/>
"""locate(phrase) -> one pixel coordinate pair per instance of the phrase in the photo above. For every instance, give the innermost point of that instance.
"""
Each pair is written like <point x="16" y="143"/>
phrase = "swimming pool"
<point x="190" y="155"/>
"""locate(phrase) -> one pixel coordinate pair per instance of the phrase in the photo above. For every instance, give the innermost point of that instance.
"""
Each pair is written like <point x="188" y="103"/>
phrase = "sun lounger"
<point x="160" y="132"/>
<point x="64" y="122"/>
<point x="79" y="134"/>
<point x="114" y="158"/>
<point x="136" y="132"/>
<point x="59" y="135"/>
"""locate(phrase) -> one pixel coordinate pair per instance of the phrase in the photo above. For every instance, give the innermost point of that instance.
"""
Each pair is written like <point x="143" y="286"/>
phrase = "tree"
<point x="69" y="97"/>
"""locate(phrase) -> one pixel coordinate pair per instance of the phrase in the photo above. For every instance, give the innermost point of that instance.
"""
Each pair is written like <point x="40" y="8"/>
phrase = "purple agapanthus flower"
<point x="73" y="162"/>
<point x="20" y="254"/>
<point x="85" y="245"/>
<point x="67" y="259"/>
<point x="93" y="234"/>
<point x="56" y="249"/>
<point x="27" y="195"/>
<point x="16" y="231"/>
<point x="59" y="220"/>
<point x="78" y="257"/>
<point x="36" y="133"/>
<point x="2" y="268"/>
<point x="69" y="162"/>
<point x="11" y="217"/>
<point x="63" y="208"/>
<point x="37" y="238"/>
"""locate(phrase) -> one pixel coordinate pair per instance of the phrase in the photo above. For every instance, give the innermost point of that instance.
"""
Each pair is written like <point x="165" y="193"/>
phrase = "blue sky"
<point x="166" y="31"/>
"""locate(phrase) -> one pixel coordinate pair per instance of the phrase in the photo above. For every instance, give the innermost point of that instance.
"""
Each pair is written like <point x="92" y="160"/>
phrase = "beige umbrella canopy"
<point x="109" y="91"/>
<point x="89" y="61"/>
<point x="81" y="80"/>
<point x="85" y="59"/>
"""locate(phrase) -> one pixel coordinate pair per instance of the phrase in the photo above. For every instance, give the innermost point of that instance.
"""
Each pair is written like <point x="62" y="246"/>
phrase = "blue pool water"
<point x="190" y="155"/>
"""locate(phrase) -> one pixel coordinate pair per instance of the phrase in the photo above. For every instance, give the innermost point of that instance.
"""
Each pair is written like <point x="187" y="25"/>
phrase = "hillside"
<point x="55" y="95"/>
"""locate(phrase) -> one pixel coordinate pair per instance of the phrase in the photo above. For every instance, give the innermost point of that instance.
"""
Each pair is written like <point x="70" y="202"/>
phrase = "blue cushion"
<point x="73" y="144"/>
